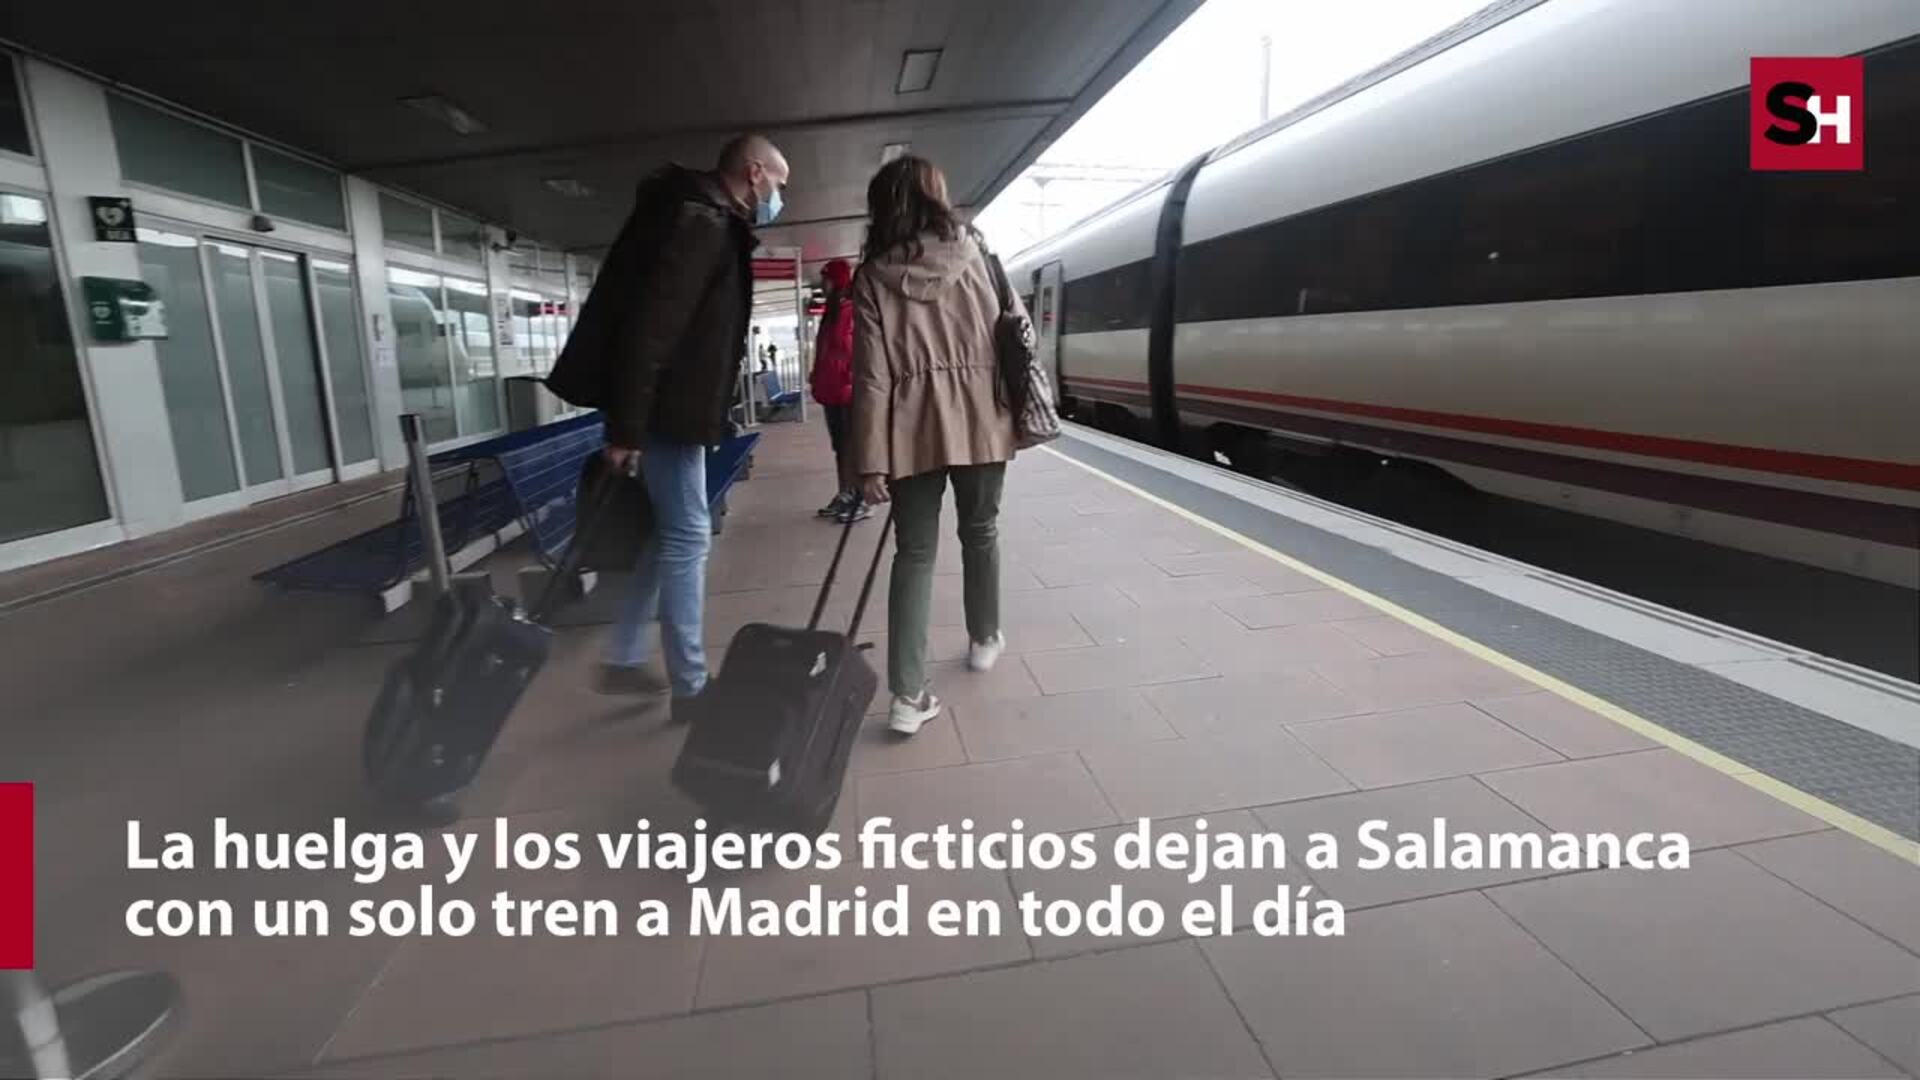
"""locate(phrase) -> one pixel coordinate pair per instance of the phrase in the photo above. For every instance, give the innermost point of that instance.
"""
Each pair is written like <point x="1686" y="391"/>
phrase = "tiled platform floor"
<point x="1156" y="669"/>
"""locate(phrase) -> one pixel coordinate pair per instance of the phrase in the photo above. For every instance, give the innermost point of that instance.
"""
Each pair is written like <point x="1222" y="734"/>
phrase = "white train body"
<point x="1532" y="260"/>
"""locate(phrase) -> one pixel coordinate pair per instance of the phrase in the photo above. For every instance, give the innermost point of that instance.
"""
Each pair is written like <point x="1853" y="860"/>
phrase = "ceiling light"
<point x="916" y="70"/>
<point x="461" y="121"/>
<point x="568" y="186"/>
<point x="894" y="150"/>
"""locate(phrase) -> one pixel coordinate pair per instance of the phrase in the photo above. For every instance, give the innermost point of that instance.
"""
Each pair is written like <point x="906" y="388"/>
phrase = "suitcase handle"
<point x="425" y="507"/>
<point x="873" y="571"/>
<point x="833" y="571"/>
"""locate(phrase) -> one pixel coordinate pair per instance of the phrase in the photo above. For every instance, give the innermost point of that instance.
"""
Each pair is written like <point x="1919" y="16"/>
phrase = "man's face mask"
<point x="766" y="207"/>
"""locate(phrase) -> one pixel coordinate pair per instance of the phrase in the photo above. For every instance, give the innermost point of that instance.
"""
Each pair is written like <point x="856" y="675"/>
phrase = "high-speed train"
<point x="1533" y="252"/>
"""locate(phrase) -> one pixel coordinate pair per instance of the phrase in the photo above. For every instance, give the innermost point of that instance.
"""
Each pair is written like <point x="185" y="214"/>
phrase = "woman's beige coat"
<point x="924" y="372"/>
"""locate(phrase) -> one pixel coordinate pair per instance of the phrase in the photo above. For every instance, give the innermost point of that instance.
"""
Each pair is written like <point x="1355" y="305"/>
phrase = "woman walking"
<point x="926" y="413"/>
<point x="832" y="384"/>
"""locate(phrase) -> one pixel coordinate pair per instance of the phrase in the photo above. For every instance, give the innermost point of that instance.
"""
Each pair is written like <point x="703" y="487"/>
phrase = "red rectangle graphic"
<point x="16" y="876"/>
<point x="1808" y="112"/>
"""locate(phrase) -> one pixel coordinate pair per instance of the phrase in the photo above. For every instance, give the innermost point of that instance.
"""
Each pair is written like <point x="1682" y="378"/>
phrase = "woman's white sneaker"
<point x="982" y="655"/>
<point x="908" y="715"/>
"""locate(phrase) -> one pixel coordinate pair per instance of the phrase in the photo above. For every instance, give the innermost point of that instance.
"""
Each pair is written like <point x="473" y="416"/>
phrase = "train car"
<point x="1533" y="252"/>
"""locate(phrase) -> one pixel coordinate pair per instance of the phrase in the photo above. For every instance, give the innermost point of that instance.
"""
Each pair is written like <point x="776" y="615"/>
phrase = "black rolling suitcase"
<point x="442" y="706"/>
<point x="772" y="733"/>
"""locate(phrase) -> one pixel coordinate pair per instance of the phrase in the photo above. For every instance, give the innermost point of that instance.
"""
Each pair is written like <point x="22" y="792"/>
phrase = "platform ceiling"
<point x="601" y="92"/>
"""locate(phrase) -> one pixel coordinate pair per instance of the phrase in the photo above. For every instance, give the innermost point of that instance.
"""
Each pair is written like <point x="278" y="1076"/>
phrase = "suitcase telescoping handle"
<point x="873" y="571"/>
<point x="866" y="587"/>
<point x="420" y="476"/>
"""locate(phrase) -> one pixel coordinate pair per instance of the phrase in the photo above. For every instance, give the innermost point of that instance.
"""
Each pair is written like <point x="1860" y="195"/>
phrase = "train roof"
<point x="1566" y="68"/>
<point x="1480" y="21"/>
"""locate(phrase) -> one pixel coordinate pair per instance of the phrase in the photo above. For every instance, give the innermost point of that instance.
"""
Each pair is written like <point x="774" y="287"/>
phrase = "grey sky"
<point x="1200" y="88"/>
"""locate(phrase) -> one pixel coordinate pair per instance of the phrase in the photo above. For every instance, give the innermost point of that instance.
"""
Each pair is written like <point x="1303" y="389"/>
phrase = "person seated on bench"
<point x="657" y="348"/>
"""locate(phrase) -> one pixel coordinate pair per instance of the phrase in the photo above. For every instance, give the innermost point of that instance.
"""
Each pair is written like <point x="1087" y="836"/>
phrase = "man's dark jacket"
<point x="658" y="343"/>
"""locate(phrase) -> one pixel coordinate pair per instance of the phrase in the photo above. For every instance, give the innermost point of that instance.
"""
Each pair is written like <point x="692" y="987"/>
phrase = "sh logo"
<point x="1808" y="113"/>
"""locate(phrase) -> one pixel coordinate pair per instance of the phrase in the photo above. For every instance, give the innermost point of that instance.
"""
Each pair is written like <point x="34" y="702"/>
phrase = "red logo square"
<point x="16" y="876"/>
<point x="1808" y="113"/>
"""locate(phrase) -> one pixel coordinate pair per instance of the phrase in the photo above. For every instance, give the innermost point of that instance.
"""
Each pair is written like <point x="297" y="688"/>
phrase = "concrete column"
<point x="129" y="404"/>
<point x="370" y="274"/>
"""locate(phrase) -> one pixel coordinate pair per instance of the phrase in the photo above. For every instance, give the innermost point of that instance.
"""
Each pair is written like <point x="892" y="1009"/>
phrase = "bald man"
<point x="658" y="349"/>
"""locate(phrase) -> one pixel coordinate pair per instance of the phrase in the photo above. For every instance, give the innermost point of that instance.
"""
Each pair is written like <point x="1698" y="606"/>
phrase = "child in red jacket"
<point x="832" y="385"/>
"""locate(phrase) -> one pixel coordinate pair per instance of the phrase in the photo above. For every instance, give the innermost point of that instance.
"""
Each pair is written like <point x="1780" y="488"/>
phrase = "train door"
<point x="1049" y="288"/>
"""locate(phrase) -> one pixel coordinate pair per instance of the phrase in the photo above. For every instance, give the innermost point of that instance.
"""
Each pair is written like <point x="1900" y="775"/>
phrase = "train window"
<point x="1666" y="203"/>
<point x="1851" y="226"/>
<point x="1352" y="268"/>
<point x="1557" y="223"/>
<point x="1341" y="258"/>
<point x="1237" y="276"/>
<point x="1115" y="299"/>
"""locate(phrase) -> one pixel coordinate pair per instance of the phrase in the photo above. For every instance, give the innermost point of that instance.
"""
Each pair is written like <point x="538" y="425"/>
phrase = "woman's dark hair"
<point x="906" y="199"/>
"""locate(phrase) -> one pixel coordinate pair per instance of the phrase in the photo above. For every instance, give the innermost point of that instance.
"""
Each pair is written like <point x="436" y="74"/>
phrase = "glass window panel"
<point x="407" y="224"/>
<point x="1842" y="226"/>
<point x="548" y="336"/>
<point x="189" y="367"/>
<point x="522" y="306"/>
<point x="298" y="361"/>
<point x="13" y="111"/>
<point x="238" y="311"/>
<point x="295" y="189"/>
<point x="462" y="238"/>
<point x="420" y="345"/>
<point x="163" y="150"/>
<point x="475" y="377"/>
<point x="49" y="474"/>
<point x="536" y="338"/>
<point x="346" y="361"/>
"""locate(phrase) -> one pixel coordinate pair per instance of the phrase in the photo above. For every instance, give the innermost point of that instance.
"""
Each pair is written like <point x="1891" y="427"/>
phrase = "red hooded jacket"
<point x="832" y="381"/>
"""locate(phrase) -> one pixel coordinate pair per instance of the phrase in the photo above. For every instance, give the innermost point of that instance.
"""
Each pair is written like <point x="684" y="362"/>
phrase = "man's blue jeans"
<point x="670" y="581"/>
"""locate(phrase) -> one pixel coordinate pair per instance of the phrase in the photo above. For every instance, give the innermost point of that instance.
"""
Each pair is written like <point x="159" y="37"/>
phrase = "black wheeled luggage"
<point x="772" y="732"/>
<point x="442" y="706"/>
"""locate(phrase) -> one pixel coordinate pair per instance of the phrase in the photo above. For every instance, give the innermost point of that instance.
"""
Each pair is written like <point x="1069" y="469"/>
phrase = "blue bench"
<point x="778" y="399"/>
<point x="488" y="493"/>
<point x="728" y="464"/>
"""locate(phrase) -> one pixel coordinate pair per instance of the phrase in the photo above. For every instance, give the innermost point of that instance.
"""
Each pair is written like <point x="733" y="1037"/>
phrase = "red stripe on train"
<point x="1890" y="474"/>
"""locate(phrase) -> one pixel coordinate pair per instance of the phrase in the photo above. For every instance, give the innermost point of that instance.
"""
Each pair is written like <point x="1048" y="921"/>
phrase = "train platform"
<point x="1183" y="643"/>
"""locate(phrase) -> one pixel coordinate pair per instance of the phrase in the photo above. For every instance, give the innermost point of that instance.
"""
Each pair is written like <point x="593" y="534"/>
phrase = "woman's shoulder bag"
<point x="1023" y="384"/>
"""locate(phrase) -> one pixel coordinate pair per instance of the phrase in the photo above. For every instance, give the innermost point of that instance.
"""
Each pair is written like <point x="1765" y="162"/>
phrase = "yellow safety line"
<point x="1877" y="835"/>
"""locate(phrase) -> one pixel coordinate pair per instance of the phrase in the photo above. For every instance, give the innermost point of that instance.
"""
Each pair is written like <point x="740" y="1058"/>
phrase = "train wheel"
<point x="1118" y="421"/>
<point x="1244" y="450"/>
<point x="1419" y="494"/>
<point x="1337" y="473"/>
